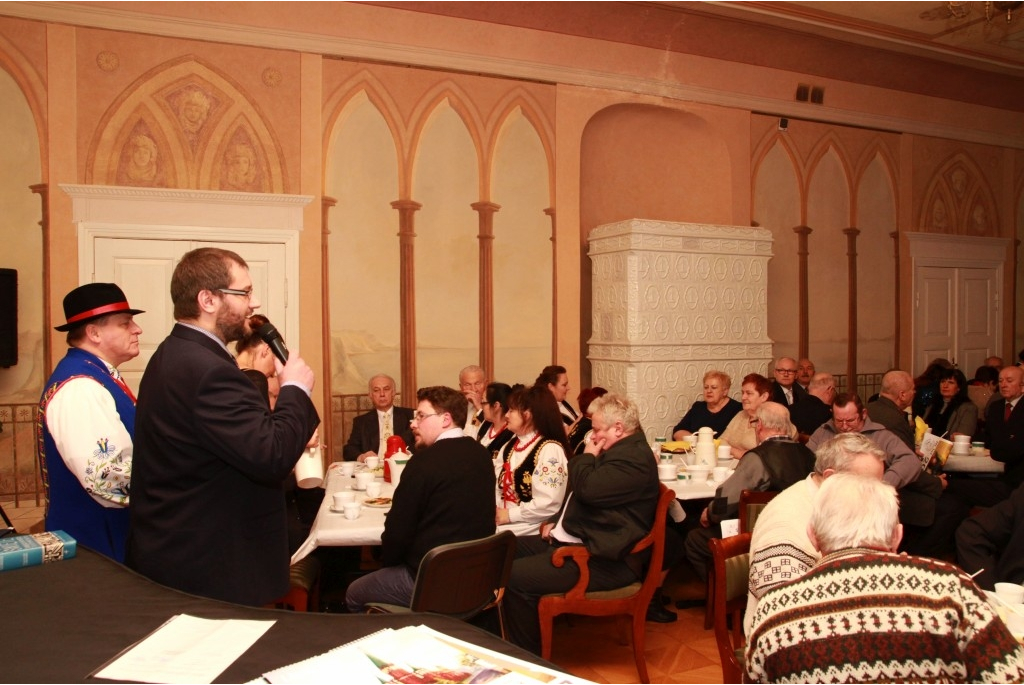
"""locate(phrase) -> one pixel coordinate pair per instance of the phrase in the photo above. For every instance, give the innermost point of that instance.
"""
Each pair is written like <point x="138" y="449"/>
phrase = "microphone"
<point x="270" y="335"/>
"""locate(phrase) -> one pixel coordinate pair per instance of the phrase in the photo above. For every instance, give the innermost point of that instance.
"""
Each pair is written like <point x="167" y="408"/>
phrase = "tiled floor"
<point x="598" y="649"/>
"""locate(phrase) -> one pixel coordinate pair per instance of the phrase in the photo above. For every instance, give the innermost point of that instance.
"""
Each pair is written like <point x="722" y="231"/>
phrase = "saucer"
<point x="356" y="487"/>
<point x="337" y="511"/>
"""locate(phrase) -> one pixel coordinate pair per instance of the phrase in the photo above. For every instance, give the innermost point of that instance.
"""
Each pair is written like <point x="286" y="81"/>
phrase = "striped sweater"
<point x="868" y="616"/>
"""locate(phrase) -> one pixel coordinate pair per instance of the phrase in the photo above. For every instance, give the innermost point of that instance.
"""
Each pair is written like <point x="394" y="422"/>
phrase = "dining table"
<point x="332" y="529"/>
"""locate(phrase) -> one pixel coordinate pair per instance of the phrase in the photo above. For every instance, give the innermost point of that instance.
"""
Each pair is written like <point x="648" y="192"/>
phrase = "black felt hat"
<point x="91" y="301"/>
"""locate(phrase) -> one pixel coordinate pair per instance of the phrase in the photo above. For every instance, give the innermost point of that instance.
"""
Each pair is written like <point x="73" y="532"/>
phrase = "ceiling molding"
<point x="451" y="60"/>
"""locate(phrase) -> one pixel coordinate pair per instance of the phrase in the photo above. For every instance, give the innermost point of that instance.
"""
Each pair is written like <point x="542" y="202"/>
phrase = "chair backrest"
<point x="656" y="541"/>
<point x="462" y="579"/>
<point x="731" y="566"/>
<point x="751" y="504"/>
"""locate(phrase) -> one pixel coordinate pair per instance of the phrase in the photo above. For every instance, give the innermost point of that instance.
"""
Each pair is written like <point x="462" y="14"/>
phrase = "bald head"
<point x="898" y="386"/>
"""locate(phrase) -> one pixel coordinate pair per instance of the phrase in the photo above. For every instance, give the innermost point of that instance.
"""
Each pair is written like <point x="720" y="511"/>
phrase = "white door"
<point x="143" y="268"/>
<point x="956" y="316"/>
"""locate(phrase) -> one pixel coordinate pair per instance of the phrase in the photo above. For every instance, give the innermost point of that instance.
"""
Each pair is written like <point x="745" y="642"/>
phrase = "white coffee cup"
<point x="724" y="452"/>
<point x="343" y="497"/>
<point x="667" y="471"/>
<point x="373" y="489"/>
<point x="363" y="478"/>
<point x="720" y="473"/>
<point x="348" y="468"/>
<point x="1011" y="593"/>
<point x="372" y="462"/>
<point x="352" y="510"/>
<point x="699" y="473"/>
<point x="1013" y="616"/>
<point x="961" y="438"/>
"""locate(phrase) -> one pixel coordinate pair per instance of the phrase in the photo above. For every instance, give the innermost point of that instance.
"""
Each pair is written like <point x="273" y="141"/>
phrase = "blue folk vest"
<point x="69" y="507"/>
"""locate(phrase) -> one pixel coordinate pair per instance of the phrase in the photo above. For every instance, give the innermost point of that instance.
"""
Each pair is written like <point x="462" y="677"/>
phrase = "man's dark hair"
<point x="846" y="398"/>
<point x="445" y="400"/>
<point x="207" y="268"/>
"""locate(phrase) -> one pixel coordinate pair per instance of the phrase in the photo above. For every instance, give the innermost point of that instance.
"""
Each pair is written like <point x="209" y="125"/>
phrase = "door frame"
<point x="202" y="215"/>
<point x="956" y="251"/>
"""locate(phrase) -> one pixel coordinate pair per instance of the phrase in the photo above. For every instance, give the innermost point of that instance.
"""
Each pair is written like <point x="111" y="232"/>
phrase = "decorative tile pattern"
<point x="672" y="301"/>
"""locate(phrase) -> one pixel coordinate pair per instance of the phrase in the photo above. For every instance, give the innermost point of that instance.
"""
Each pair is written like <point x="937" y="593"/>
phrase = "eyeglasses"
<point x="419" y="416"/>
<point x="754" y="422"/>
<point x="846" y="422"/>
<point x="786" y="371"/>
<point x="247" y="294"/>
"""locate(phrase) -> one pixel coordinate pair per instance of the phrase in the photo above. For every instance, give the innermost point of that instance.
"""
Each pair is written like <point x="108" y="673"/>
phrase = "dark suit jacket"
<point x="809" y="414"/>
<point x="779" y="396"/>
<point x="613" y="497"/>
<point x="365" y="436"/>
<point x="994" y="541"/>
<point x="1006" y="439"/>
<point x="208" y="505"/>
<point x="884" y="411"/>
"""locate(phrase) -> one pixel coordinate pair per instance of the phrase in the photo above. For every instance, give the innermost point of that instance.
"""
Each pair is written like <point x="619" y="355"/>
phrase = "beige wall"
<point x="560" y="130"/>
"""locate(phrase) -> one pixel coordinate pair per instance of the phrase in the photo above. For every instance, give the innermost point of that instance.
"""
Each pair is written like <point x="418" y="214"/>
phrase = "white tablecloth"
<point x="331" y="528"/>
<point x="955" y="464"/>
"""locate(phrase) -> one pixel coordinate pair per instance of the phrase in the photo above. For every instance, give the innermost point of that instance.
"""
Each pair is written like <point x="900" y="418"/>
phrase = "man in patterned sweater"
<point x="864" y="613"/>
<point x="779" y="549"/>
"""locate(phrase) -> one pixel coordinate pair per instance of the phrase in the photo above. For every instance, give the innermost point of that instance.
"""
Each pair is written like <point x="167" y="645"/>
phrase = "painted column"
<point x="407" y="296"/>
<point x="485" y="212"/>
<point x="895" y="235"/>
<point x="550" y="211"/>
<point x="851" y="345"/>
<point x="326" y="427"/>
<point x="803" y="299"/>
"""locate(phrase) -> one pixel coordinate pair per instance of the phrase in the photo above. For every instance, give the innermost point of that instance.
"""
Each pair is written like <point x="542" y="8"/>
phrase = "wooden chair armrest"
<point x="581" y="556"/>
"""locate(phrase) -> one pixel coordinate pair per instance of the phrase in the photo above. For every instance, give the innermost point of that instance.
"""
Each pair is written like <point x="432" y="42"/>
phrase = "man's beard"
<point x="232" y="326"/>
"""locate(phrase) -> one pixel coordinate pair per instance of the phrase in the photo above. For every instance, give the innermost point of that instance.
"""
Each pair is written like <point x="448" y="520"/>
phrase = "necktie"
<point x="115" y="374"/>
<point x="1006" y="411"/>
<point x="387" y="426"/>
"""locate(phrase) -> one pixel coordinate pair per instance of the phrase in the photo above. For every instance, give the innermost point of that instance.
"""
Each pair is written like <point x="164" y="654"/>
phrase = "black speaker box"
<point x="8" y="317"/>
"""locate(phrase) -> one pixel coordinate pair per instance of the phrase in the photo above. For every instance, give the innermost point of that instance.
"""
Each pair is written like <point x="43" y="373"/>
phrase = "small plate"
<point x="378" y="503"/>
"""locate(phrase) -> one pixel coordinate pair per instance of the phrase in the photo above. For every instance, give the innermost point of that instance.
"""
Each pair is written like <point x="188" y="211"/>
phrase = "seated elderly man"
<point x="776" y="463"/>
<point x="613" y="494"/>
<point x="867" y="614"/>
<point x="991" y="543"/>
<point x="918" y="490"/>
<point x="779" y="548"/>
<point x="814" y="408"/>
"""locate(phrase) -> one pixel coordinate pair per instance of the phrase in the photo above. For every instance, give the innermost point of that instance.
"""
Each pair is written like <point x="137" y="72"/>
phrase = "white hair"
<point x="854" y="511"/>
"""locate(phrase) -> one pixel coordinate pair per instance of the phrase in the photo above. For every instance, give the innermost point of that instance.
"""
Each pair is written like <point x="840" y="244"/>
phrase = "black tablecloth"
<point x="61" y="621"/>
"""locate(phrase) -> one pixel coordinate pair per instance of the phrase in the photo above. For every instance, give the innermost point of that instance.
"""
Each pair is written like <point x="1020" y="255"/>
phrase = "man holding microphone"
<point x="208" y="505"/>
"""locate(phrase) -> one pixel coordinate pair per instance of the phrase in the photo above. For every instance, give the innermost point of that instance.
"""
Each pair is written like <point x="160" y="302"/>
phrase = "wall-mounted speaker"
<point x="783" y="124"/>
<point x="8" y="317"/>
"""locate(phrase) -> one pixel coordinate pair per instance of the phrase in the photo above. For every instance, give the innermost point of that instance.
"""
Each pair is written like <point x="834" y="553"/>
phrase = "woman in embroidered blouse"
<point x="555" y="379"/>
<point x="532" y="469"/>
<point x="494" y="432"/>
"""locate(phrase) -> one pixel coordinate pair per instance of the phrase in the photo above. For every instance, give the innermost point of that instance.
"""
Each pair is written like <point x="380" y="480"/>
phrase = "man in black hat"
<point x="87" y="421"/>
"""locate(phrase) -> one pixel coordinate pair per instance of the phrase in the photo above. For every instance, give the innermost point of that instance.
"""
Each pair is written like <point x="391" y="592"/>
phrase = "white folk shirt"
<point x="81" y="415"/>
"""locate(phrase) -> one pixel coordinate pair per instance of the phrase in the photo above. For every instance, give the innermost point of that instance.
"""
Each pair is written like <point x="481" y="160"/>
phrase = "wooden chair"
<point x="461" y="579"/>
<point x="631" y="600"/>
<point x="751" y="504"/>
<point x="731" y="568"/>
